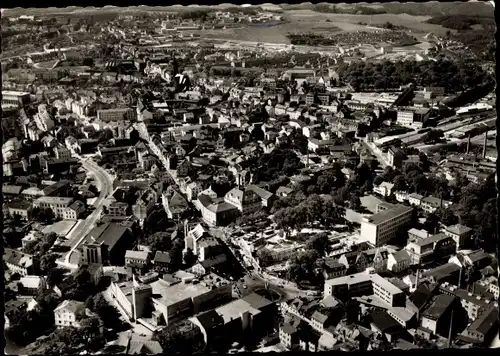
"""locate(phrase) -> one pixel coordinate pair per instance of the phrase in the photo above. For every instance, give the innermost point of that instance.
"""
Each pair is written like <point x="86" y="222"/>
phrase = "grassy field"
<point x="349" y="23"/>
<point x="275" y="34"/>
<point x="310" y="21"/>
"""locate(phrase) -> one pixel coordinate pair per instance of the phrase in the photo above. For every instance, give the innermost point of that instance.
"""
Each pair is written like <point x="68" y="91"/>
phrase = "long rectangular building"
<point x="58" y="205"/>
<point x="365" y="284"/>
<point x="380" y="228"/>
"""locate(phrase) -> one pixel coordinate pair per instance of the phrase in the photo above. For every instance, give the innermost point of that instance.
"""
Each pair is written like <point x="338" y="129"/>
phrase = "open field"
<point x="275" y="34"/>
<point x="310" y="21"/>
<point x="349" y="23"/>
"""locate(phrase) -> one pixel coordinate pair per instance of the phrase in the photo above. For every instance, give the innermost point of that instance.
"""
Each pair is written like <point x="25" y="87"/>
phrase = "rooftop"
<point x="439" y="305"/>
<point x="54" y="200"/>
<point x="136" y="255"/>
<point x="458" y="229"/>
<point x="485" y="322"/>
<point x="171" y="294"/>
<point x="109" y="233"/>
<point x="71" y="306"/>
<point x="389" y="214"/>
<point x="234" y="309"/>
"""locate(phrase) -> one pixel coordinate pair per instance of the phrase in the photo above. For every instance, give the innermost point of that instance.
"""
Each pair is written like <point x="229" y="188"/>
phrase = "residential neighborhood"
<point x="166" y="190"/>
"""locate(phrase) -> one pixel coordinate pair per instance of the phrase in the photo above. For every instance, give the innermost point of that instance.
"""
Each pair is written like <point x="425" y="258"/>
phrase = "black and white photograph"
<point x="226" y="178"/>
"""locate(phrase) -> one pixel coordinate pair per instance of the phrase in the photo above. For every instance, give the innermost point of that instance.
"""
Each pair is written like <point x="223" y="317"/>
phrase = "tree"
<point x="180" y="338"/>
<point x="400" y="184"/>
<point x="48" y="262"/>
<point x="54" y="276"/>
<point x="354" y="202"/>
<point x="433" y="136"/>
<point x="319" y="243"/>
<point x="332" y="214"/>
<point x="265" y="257"/>
<point x="105" y="135"/>
<point x="431" y="223"/>
<point x="189" y="257"/>
<point x="88" y="61"/>
<point x="378" y="180"/>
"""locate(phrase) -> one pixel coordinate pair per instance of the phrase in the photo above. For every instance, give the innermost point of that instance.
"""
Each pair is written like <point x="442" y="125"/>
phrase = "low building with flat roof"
<point x="178" y="300"/>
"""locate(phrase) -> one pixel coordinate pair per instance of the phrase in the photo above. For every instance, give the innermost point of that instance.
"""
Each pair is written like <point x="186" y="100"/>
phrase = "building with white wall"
<point x="380" y="228"/>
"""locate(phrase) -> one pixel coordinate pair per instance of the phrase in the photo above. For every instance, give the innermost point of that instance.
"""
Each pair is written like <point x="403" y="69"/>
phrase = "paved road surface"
<point x="379" y="155"/>
<point x="105" y="182"/>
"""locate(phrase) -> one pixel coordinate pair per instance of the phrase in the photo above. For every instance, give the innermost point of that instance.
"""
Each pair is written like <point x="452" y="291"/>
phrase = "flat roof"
<point x="61" y="228"/>
<point x="439" y="305"/>
<point x="13" y="92"/>
<point x="172" y="294"/>
<point x="364" y="277"/>
<point x="233" y="310"/>
<point x="385" y="215"/>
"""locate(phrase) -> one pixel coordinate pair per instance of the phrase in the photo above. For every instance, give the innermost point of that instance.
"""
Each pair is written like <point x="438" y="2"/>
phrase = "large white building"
<point x="365" y="284"/>
<point x="68" y="313"/>
<point x="380" y="228"/>
<point x="413" y="117"/>
<point x="118" y="114"/>
<point x="15" y="98"/>
<point x="58" y="205"/>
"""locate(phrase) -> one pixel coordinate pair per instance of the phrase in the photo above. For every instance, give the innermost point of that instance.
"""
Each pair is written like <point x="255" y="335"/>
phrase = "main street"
<point x="104" y="182"/>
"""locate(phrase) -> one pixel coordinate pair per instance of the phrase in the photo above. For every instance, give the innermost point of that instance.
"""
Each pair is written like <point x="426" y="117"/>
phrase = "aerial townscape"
<point x="243" y="178"/>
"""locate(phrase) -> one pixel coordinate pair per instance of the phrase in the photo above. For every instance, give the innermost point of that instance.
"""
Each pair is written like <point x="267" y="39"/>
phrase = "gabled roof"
<point x="401" y="255"/>
<point x="458" y="229"/>
<point x="162" y="257"/>
<point x="137" y="255"/>
<point x="262" y="193"/>
<point x="71" y="306"/>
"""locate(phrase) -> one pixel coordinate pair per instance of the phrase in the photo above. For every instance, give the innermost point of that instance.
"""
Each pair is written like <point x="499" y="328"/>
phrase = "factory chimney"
<point x="485" y="143"/>
<point x="468" y="144"/>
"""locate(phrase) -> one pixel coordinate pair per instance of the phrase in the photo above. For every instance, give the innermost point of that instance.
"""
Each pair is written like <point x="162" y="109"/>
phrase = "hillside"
<point x="433" y="8"/>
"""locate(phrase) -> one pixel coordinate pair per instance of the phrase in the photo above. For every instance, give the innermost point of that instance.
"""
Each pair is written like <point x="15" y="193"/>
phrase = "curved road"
<point x="105" y="181"/>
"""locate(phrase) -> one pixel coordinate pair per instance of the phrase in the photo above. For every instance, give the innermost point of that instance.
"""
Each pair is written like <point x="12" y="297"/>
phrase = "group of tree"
<point x="294" y="214"/>
<point x="433" y="136"/>
<point x="304" y="267"/>
<point x="10" y="128"/>
<point x="461" y="22"/>
<point x="271" y="166"/>
<point x="296" y="140"/>
<point x="28" y="325"/>
<point x="42" y="245"/>
<point x="67" y="340"/>
<point x="352" y="10"/>
<point x="106" y="312"/>
<point x="43" y="215"/>
<point x="181" y="338"/>
<point x="453" y="76"/>
<point x="477" y="209"/>
<point x="250" y="218"/>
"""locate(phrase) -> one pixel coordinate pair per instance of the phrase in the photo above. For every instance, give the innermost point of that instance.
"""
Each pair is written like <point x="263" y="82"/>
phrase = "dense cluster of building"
<point x="173" y="153"/>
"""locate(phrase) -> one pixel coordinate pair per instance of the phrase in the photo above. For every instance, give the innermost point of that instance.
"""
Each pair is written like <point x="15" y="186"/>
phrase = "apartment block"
<point x="365" y="284"/>
<point x="119" y="114"/>
<point x="382" y="227"/>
